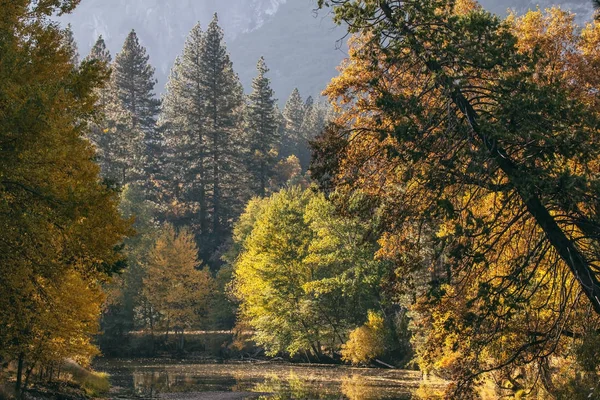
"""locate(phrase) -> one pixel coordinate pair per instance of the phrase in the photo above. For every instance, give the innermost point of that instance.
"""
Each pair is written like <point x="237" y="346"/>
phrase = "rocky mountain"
<point x="583" y="9"/>
<point x="302" y="47"/>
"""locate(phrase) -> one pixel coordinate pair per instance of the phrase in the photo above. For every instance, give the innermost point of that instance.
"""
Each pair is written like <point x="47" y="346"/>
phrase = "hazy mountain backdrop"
<point x="302" y="47"/>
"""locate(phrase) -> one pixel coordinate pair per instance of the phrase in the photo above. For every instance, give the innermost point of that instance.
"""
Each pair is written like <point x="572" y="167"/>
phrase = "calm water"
<point x="155" y="379"/>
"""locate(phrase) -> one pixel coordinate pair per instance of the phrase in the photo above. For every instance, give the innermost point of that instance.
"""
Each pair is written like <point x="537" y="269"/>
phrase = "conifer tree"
<point x="293" y="115"/>
<point x="70" y="45"/>
<point x="135" y="110"/>
<point x="222" y="94"/>
<point x="97" y="135"/>
<point x="182" y="123"/>
<point x="263" y="132"/>
<point x="313" y="123"/>
<point x="100" y="52"/>
<point x="133" y="79"/>
<point x="202" y="123"/>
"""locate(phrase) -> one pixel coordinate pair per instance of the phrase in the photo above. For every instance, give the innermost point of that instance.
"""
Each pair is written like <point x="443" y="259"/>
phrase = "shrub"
<point x="366" y="342"/>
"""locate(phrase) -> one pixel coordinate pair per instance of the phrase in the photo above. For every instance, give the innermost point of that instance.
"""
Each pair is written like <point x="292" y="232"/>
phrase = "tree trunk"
<point x="27" y="376"/>
<point x="18" y="387"/>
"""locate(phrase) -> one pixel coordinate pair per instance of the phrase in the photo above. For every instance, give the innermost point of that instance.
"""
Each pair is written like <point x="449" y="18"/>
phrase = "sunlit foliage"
<point x="366" y="342"/>
<point x="481" y="138"/>
<point x="305" y="276"/>
<point x="176" y="289"/>
<point x="59" y="227"/>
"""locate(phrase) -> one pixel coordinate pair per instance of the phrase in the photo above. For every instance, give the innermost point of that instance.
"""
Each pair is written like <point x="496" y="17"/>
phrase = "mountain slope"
<point x="299" y="45"/>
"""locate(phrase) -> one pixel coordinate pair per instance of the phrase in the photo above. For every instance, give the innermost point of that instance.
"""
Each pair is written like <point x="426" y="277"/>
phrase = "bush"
<point x="366" y="342"/>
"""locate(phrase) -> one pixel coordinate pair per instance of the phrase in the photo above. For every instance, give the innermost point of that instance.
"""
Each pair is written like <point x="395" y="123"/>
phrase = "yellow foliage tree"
<point x="481" y="138"/>
<point x="59" y="226"/>
<point x="177" y="291"/>
<point x="366" y="342"/>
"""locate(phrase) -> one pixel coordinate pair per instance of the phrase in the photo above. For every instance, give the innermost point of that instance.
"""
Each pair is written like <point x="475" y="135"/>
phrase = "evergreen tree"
<point x="313" y="123"/>
<point x="70" y="45"/>
<point x="263" y="132"/>
<point x="97" y="135"/>
<point x="125" y="151"/>
<point x="135" y="110"/>
<point x="182" y="122"/>
<point x="308" y="103"/>
<point x="222" y="93"/>
<point x="293" y="115"/>
<point x="201" y="120"/>
<point x="133" y="79"/>
<point x="100" y="52"/>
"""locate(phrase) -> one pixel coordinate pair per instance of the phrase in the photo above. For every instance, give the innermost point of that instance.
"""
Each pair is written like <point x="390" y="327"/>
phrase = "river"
<point x="144" y="379"/>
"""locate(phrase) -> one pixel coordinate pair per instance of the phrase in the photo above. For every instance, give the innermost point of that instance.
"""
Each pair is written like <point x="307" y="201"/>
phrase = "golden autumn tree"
<point x="177" y="291"/>
<point x="481" y="136"/>
<point x="59" y="226"/>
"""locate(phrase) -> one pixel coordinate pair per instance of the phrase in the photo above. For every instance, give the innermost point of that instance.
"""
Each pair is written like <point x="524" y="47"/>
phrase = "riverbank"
<point x="61" y="381"/>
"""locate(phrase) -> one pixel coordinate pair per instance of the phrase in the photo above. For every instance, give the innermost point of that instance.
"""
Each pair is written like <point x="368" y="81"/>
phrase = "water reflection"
<point x="259" y="381"/>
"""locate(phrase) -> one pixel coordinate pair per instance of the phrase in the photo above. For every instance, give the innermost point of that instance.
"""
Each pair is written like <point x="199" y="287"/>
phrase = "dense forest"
<point x="440" y="212"/>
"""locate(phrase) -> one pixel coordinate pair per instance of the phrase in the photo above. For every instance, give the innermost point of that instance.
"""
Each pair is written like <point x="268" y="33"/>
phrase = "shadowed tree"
<point x="263" y="135"/>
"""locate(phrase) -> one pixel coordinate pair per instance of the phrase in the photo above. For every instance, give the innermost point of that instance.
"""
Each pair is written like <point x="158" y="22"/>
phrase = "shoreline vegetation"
<point x="65" y="380"/>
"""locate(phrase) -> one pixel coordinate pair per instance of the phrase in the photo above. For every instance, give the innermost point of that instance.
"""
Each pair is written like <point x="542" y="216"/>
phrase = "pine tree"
<point x="222" y="92"/>
<point x="313" y="123"/>
<point x="135" y="111"/>
<point x="263" y="132"/>
<point x="97" y="135"/>
<point x="133" y="79"/>
<point x="201" y="120"/>
<point x="182" y="122"/>
<point x="70" y="45"/>
<point x="293" y="115"/>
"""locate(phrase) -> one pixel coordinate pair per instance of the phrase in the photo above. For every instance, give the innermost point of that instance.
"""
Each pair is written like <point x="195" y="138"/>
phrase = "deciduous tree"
<point x="59" y="226"/>
<point x="483" y="132"/>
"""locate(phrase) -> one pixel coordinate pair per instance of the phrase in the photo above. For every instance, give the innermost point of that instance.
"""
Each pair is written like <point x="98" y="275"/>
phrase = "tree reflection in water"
<point x="267" y="381"/>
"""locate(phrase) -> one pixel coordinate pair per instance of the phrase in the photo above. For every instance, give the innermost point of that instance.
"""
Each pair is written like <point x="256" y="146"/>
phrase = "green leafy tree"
<point x="305" y="277"/>
<point x="126" y="308"/>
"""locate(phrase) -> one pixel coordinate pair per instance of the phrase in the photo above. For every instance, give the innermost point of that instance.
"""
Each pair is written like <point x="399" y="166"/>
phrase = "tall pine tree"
<point x="223" y="96"/>
<point x="313" y="123"/>
<point x="69" y="44"/>
<point x="182" y="122"/>
<point x="202" y="123"/>
<point x="263" y="135"/>
<point x="96" y="133"/>
<point x="133" y="79"/>
<point x="132" y="115"/>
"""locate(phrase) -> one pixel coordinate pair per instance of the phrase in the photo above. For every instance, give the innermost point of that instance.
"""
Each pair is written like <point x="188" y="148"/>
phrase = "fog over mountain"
<point x="301" y="46"/>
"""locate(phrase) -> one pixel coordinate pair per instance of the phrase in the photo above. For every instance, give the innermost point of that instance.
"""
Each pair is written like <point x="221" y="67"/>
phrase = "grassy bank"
<point x="66" y="380"/>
